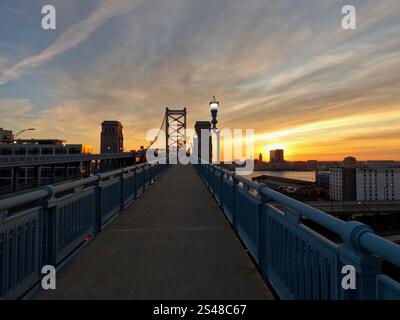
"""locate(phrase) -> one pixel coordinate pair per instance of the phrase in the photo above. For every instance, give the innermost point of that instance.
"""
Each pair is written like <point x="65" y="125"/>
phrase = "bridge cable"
<point x="158" y="133"/>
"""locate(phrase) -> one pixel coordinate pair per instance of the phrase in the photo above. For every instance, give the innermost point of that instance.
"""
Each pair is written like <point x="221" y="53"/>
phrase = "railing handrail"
<point x="23" y="199"/>
<point x="64" y="155"/>
<point x="50" y="190"/>
<point x="367" y="239"/>
<point x="72" y="211"/>
<point x="386" y="249"/>
<point x="28" y="160"/>
<point x="322" y="218"/>
<point x="109" y="174"/>
<point x="71" y="185"/>
<point x="330" y="222"/>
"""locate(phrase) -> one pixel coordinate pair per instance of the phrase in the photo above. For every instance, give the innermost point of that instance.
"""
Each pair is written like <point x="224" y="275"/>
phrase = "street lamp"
<point x="21" y="132"/>
<point x="214" y="106"/>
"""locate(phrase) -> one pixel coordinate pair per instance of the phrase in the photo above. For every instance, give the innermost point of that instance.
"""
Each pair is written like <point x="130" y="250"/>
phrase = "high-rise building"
<point x="202" y="152"/>
<point x="373" y="181"/>
<point x="260" y="157"/>
<point x="112" y="139"/>
<point x="342" y="183"/>
<point x="276" y="155"/>
<point x="378" y="180"/>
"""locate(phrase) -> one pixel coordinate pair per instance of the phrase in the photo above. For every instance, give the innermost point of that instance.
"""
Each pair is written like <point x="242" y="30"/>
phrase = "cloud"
<point x="3" y="63"/>
<point x="13" y="109"/>
<point x="71" y="38"/>
<point x="286" y="69"/>
<point x="16" y="113"/>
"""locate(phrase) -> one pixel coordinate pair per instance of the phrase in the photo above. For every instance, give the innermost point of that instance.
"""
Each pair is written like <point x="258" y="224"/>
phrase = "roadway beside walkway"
<point x="171" y="243"/>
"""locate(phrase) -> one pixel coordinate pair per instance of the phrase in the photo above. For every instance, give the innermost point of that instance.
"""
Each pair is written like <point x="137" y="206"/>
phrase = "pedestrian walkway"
<point x="171" y="243"/>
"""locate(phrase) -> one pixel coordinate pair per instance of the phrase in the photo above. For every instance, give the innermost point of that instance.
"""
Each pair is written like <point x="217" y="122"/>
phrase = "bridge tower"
<point x="175" y="128"/>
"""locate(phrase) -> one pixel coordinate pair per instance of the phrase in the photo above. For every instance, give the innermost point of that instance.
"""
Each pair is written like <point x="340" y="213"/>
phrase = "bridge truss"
<point x="175" y="131"/>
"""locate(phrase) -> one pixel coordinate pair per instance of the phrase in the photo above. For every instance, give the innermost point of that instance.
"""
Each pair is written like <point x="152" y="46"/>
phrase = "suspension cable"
<point x="158" y="133"/>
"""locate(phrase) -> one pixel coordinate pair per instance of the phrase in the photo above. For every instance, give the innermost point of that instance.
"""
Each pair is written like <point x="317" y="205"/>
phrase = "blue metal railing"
<point x="47" y="225"/>
<point x="297" y="261"/>
<point x="7" y="161"/>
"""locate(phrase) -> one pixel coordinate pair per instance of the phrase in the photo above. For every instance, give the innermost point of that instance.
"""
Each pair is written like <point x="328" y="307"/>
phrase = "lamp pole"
<point x="22" y="131"/>
<point x="214" y="106"/>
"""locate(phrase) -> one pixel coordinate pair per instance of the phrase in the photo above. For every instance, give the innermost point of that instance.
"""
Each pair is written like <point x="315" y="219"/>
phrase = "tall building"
<point x="378" y="180"/>
<point x="260" y="157"/>
<point x="373" y="181"/>
<point x="342" y="184"/>
<point x="199" y="127"/>
<point x="276" y="155"/>
<point x="112" y="139"/>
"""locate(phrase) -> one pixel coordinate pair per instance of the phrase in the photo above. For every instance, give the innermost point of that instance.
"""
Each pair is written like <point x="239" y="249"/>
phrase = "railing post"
<point x="144" y="177"/>
<point x="212" y="180"/>
<point x="235" y="205"/>
<point x="50" y="227"/>
<point x="367" y="265"/>
<point x="134" y="182"/>
<point x="99" y="200"/>
<point x="150" y="174"/>
<point x="121" y="190"/>
<point x="262" y="233"/>
<point x="207" y="176"/>
<point x="221" y="184"/>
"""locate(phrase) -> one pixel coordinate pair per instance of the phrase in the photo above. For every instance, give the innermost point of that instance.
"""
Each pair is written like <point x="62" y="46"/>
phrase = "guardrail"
<point x="297" y="261"/>
<point x="46" y="226"/>
<point x="26" y="160"/>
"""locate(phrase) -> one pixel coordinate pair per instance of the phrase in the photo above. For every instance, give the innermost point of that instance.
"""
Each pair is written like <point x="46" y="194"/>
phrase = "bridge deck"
<point x="171" y="243"/>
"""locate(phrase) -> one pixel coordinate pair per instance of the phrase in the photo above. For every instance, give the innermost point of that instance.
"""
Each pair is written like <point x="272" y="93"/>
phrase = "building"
<point x="350" y="161"/>
<point x="260" y="157"/>
<point x="199" y="127"/>
<point x="322" y="178"/>
<point x="112" y="139"/>
<point x="342" y="184"/>
<point x="79" y="148"/>
<point x="378" y="180"/>
<point x="24" y="147"/>
<point x="276" y="155"/>
<point x="30" y="176"/>
<point x="6" y="136"/>
<point x="373" y="181"/>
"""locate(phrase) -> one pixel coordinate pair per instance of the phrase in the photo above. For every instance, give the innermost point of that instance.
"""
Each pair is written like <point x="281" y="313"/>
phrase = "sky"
<point x="286" y="69"/>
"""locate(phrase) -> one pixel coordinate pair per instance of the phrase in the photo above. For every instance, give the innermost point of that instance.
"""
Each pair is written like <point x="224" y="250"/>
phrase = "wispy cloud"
<point x="284" y="68"/>
<point x="71" y="38"/>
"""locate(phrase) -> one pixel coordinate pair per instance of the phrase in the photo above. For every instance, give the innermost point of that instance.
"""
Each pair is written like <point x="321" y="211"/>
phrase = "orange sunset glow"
<point x="312" y="88"/>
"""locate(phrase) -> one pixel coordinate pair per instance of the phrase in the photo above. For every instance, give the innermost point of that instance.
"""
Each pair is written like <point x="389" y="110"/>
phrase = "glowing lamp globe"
<point x="214" y="104"/>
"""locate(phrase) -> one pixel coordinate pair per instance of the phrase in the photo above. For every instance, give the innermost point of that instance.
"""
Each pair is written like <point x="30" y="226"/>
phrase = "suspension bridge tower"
<point x="175" y="129"/>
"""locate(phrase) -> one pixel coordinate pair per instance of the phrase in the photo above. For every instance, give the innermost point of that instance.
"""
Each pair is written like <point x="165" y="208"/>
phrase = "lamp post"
<point x="214" y="106"/>
<point x="22" y="131"/>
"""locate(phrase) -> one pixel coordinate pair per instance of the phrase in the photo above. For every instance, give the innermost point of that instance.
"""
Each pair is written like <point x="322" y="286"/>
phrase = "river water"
<point x="298" y="175"/>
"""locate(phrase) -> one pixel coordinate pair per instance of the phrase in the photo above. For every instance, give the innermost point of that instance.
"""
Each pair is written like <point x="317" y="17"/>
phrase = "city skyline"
<point x="287" y="70"/>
